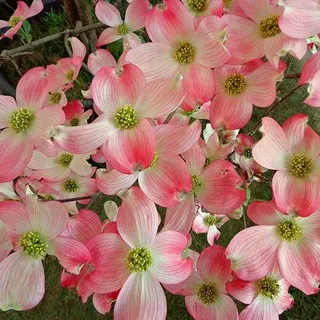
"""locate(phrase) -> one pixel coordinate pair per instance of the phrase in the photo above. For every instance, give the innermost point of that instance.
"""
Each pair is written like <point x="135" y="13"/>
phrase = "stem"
<point x="244" y="220"/>
<point x="288" y="95"/>
<point x="292" y="76"/>
<point x="52" y="37"/>
<point x="69" y="200"/>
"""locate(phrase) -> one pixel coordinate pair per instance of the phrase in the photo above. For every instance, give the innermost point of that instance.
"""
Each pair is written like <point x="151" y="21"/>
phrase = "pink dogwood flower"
<point x="286" y="239"/>
<point x="267" y="297"/>
<point x="259" y="36"/>
<point x="217" y="186"/>
<point x="204" y="8"/>
<point x="135" y="19"/>
<point x="177" y="45"/>
<point x="293" y="150"/>
<point x="35" y="230"/>
<point x="75" y="114"/>
<point x="238" y="88"/>
<point x="205" y="290"/>
<point x="123" y="128"/>
<point x="22" y="13"/>
<point x="206" y="222"/>
<point x="243" y="154"/>
<point x="310" y="75"/>
<point x="5" y="242"/>
<point x="137" y="259"/>
<point x="26" y="123"/>
<point x="54" y="169"/>
<point x="166" y="180"/>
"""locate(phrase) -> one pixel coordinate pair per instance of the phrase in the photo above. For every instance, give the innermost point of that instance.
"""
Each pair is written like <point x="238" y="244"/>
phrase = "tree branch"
<point x="39" y="42"/>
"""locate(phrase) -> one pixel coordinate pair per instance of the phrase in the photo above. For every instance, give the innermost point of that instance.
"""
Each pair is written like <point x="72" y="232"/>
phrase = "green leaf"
<point x="26" y="26"/>
<point x="28" y="37"/>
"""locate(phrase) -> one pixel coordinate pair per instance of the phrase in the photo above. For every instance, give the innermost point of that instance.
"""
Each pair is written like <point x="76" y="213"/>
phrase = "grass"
<point x="61" y="304"/>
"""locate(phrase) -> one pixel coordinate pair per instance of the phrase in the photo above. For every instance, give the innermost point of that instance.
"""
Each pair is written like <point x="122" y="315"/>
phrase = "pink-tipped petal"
<point x="85" y="138"/>
<point x="16" y="150"/>
<point x="103" y="301"/>
<point x="83" y="226"/>
<point x="159" y="98"/>
<point x="180" y="217"/>
<point x="136" y="14"/>
<point x="34" y="86"/>
<point x="271" y="150"/>
<point x="299" y="195"/>
<point x="7" y="105"/>
<point x="15" y="218"/>
<point x="166" y="23"/>
<point x="174" y="140"/>
<point x="41" y="131"/>
<point x="230" y="113"/>
<point x="35" y="8"/>
<point x="213" y="266"/>
<point x="49" y="218"/>
<point x="22" y="282"/>
<point x="78" y="48"/>
<point x="111" y="182"/>
<point x="253" y="252"/>
<point x="164" y="182"/>
<point x="300" y="264"/>
<point x="300" y="19"/>
<point x="169" y="266"/>
<point x="71" y="253"/>
<point x="107" y="36"/>
<point x="5" y="242"/>
<point x="141" y="298"/>
<point x="261" y="308"/>
<point x="223" y="309"/>
<point x="209" y="40"/>
<point x="213" y="235"/>
<point x="264" y="213"/>
<point x="99" y="59"/>
<point x="129" y="150"/>
<point x="108" y="14"/>
<point x="195" y="159"/>
<point x="109" y="253"/>
<point x="311" y="226"/>
<point x="220" y="190"/>
<point x="113" y="88"/>
<point x="155" y="60"/>
<point x="243" y="291"/>
<point x="137" y="218"/>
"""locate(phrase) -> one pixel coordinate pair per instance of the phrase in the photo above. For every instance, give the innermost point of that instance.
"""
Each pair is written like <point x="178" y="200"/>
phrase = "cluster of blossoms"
<point x="208" y="62"/>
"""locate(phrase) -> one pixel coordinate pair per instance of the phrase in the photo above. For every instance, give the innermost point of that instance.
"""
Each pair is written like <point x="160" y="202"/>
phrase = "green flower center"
<point x="48" y="197"/>
<point x="207" y="293"/>
<point x="247" y="153"/>
<point x="210" y="221"/>
<point x="69" y="75"/>
<point x="122" y="29"/>
<point x="154" y="160"/>
<point x="184" y="53"/>
<point x="235" y="84"/>
<point x="13" y="21"/>
<point x="139" y="259"/>
<point x="126" y="117"/>
<point x="74" y="122"/>
<point x="289" y="230"/>
<point x="196" y="183"/>
<point x="300" y="166"/>
<point x="55" y="97"/>
<point x="21" y="119"/>
<point x="269" y="27"/>
<point x="227" y="3"/>
<point x="33" y="245"/>
<point x="197" y="5"/>
<point x="70" y="186"/>
<point x="268" y="287"/>
<point x="65" y="159"/>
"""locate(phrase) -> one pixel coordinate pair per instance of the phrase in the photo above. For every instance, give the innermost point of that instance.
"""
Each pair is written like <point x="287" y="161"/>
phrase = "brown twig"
<point x="68" y="200"/>
<point x="272" y="108"/>
<point x="39" y="42"/>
